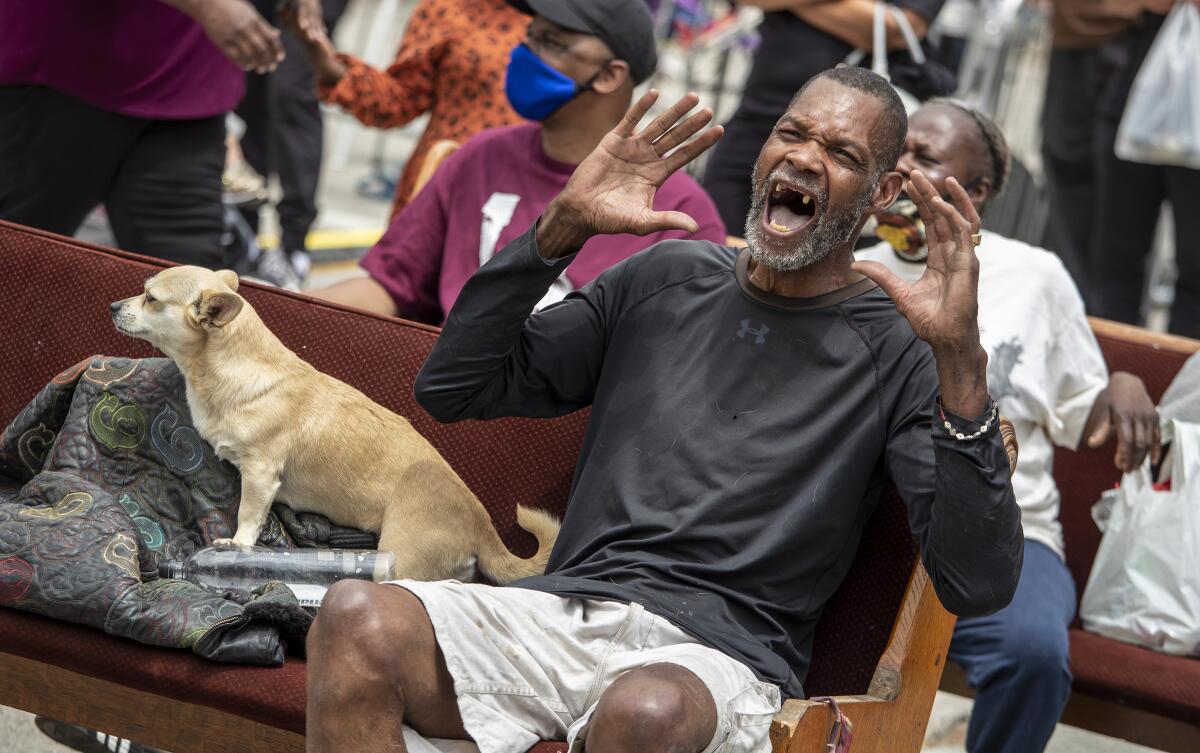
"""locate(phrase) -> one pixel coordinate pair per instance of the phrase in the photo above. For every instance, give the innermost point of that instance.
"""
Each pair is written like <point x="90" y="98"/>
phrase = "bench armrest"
<point x="892" y="716"/>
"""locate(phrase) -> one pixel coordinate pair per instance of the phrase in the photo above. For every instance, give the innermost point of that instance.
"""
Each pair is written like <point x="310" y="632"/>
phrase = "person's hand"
<point x="943" y="305"/>
<point x="303" y="18"/>
<point x="612" y="190"/>
<point x="243" y="35"/>
<point x="1125" y="408"/>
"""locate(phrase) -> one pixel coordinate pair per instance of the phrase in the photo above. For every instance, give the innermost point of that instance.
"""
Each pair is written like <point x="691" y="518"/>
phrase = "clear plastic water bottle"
<point x="308" y="572"/>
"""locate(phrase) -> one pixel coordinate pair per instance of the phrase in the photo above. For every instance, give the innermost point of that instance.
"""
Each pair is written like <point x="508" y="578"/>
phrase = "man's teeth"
<point x="779" y="228"/>
<point x="778" y="191"/>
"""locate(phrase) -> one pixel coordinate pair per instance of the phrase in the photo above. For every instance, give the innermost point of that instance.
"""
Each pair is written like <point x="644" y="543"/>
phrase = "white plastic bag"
<point x="879" y="61"/>
<point x="1145" y="583"/>
<point x="1161" y="123"/>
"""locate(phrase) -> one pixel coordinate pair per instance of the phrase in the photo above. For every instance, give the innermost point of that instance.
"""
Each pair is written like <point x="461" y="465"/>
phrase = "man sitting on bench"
<point x="1046" y="371"/>
<point x="747" y="409"/>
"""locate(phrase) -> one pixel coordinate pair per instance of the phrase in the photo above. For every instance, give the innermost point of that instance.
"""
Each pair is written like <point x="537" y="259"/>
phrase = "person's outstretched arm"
<point x="496" y="359"/>
<point x="851" y="21"/>
<point x="238" y="31"/>
<point x="961" y="507"/>
<point x="365" y="293"/>
<point x="403" y="266"/>
<point x="381" y="98"/>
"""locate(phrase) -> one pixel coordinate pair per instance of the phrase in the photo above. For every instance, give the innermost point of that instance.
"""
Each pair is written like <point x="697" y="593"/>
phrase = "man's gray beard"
<point x="830" y="231"/>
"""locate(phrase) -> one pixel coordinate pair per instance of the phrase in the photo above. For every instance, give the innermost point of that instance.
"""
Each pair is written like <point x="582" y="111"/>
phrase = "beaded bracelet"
<point x="992" y="414"/>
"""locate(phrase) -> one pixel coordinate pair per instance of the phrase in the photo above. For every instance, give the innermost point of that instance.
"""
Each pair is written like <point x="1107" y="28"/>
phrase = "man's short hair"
<point x="892" y="127"/>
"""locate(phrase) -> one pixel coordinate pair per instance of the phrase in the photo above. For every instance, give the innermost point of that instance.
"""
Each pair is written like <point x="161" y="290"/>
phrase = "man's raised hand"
<point x="612" y="190"/>
<point x="943" y="305"/>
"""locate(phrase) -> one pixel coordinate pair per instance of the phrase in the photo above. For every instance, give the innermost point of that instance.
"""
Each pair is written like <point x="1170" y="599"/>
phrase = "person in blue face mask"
<point x="572" y="76"/>
<point x="576" y="69"/>
<point x="536" y="89"/>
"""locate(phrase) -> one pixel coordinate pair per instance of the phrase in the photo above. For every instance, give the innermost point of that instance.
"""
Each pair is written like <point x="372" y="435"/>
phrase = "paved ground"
<point x="20" y="736"/>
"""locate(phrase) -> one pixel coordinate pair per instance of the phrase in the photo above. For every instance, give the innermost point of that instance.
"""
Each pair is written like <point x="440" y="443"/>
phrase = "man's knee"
<point x="1039" y="651"/>
<point x="375" y="623"/>
<point x="662" y="707"/>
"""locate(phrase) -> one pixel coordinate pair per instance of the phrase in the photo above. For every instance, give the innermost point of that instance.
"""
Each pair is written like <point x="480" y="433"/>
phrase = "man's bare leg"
<point x="659" y="708"/>
<point x="373" y="664"/>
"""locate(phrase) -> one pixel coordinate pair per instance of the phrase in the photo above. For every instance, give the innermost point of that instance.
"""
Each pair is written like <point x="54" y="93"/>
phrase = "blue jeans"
<point x="1017" y="659"/>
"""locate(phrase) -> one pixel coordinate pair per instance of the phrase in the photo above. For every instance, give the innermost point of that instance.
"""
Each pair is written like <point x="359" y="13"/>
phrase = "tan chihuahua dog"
<point x="312" y="439"/>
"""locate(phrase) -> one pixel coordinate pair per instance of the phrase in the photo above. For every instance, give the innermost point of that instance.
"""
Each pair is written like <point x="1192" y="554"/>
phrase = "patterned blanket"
<point x="102" y="477"/>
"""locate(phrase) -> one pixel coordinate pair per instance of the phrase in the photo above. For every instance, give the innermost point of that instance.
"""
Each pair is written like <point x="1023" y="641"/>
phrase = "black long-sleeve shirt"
<point x="737" y="445"/>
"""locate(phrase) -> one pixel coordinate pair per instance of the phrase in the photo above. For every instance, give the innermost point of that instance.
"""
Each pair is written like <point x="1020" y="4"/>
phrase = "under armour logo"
<point x="760" y="334"/>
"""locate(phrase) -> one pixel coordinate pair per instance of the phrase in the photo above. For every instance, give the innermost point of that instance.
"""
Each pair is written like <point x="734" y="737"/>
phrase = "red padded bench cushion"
<point x="1136" y="676"/>
<point x="270" y="695"/>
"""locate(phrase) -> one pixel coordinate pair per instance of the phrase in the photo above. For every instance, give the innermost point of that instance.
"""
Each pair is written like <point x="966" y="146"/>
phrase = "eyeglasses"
<point x="543" y="42"/>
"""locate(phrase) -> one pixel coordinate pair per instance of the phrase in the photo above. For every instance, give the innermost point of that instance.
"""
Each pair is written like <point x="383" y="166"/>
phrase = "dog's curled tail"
<point x="502" y="566"/>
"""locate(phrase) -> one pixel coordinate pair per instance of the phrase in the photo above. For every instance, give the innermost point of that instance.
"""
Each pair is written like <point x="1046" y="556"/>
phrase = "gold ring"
<point x="976" y="239"/>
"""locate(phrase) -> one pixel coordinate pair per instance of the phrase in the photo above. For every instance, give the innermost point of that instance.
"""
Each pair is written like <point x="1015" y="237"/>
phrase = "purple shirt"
<point x="487" y="194"/>
<point x="134" y="57"/>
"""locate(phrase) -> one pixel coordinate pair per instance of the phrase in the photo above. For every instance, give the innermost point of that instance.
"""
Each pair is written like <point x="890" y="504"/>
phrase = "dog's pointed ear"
<point x="217" y="308"/>
<point x="229" y="277"/>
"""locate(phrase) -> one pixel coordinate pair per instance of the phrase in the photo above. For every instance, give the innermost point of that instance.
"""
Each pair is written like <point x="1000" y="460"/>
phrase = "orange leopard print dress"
<point x="450" y="64"/>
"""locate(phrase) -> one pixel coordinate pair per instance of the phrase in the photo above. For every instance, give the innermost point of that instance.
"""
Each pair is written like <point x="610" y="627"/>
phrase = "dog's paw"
<point x="225" y="544"/>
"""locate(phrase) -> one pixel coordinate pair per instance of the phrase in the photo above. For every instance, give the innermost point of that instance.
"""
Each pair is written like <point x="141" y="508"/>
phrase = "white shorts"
<point x="530" y="666"/>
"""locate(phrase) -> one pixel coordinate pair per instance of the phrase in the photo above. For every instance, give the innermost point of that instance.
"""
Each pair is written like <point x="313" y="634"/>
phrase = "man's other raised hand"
<point x="612" y="190"/>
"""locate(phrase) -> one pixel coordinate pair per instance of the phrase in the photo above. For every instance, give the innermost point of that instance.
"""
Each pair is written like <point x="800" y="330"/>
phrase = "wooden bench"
<point x="1119" y="690"/>
<point x="880" y="644"/>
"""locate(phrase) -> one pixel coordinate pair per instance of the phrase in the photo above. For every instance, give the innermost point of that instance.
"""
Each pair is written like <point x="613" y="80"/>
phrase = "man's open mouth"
<point x="790" y="209"/>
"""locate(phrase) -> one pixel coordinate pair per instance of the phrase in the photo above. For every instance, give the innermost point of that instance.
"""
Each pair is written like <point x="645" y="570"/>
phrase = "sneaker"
<point x="301" y="262"/>
<point x="275" y="267"/>
<point x="86" y="739"/>
<point x="243" y="186"/>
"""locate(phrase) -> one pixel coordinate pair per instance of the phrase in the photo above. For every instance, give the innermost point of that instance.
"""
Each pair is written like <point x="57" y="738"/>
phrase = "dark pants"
<point x="1127" y="213"/>
<point x="727" y="176"/>
<point x="1129" y="199"/>
<point x="160" y="180"/>
<point x="284" y="130"/>
<point x="1071" y="152"/>
<point x="1017" y="659"/>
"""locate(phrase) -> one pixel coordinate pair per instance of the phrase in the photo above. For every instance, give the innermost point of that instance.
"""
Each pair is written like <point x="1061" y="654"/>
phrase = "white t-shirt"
<point x="1045" y="368"/>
